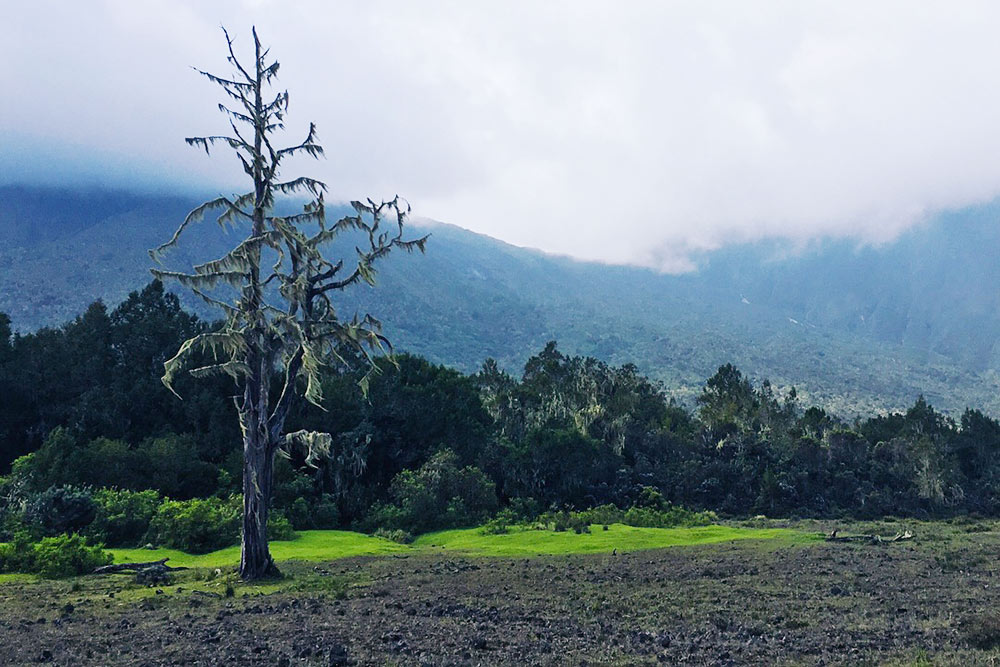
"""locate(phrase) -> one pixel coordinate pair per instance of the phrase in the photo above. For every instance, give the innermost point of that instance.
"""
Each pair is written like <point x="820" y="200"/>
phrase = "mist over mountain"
<point x="850" y="327"/>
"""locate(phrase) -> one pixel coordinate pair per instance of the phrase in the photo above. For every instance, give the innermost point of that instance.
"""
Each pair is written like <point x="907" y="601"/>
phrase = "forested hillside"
<point x="87" y="427"/>
<point x="852" y="329"/>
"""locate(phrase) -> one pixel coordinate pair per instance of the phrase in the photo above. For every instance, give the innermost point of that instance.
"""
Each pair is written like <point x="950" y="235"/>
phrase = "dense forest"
<point x="91" y="440"/>
<point x="915" y="316"/>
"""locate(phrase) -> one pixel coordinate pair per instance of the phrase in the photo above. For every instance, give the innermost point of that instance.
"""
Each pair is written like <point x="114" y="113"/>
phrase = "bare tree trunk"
<point x="258" y="476"/>
<point x="258" y="453"/>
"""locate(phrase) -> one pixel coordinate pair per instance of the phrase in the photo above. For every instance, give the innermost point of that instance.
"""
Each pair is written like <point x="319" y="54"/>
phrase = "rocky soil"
<point x="747" y="603"/>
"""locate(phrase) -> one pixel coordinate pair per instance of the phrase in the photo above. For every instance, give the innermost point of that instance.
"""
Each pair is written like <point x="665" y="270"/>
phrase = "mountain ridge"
<point x="852" y="329"/>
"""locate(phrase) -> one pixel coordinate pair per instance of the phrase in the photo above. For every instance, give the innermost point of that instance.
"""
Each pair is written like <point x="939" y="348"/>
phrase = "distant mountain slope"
<point x="852" y="329"/>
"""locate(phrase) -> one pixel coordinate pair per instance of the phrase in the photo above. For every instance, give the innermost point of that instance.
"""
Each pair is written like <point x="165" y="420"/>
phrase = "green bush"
<point x="18" y="555"/>
<point x="321" y="515"/>
<point x="646" y="517"/>
<point x="60" y="509"/>
<point x="169" y="463"/>
<point x="279" y="527"/>
<point x="672" y="517"/>
<point x="12" y="500"/>
<point x="201" y="525"/>
<point x="437" y="496"/>
<point x="525" y="509"/>
<point x="500" y="524"/>
<point x="399" y="536"/>
<point x="123" y="516"/>
<point x="603" y="514"/>
<point x="564" y="520"/>
<point x="68" y="555"/>
<point x="651" y="498"/>
<point x="52" y="557"/>
<point x="325" y="515"/>
<point x="197" y="526"/>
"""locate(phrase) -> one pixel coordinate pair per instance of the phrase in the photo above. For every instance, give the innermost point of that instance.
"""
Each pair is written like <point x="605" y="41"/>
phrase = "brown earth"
<point x="745" y="603"/>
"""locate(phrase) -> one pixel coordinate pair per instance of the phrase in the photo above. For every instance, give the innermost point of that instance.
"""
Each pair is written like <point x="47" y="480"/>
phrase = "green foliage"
<point x="398" y="535"/>
<point x="413" y="409"/>
<point x="279" y="527"/>
<point x="169" y="464"/>
<point x="60" y="509"/>
<point x="673" y="517"/>
<point x="564" y="520"/>
<point x="52" y="557"/>
<point x="68" y="555"/>
<point x="14" y="493"/>
<point x="196" y="526"/>
<point x="300" y="498"/>
<point x="438" y="495"/>
<point x="501" y="523"/>
<point x="603" y="514"/>
<point x="99" y="374"/>
<point x="650" y="511"/>
<point x="570" y="432"/>
<point x="18" y="555"/>
<point x="201" y="525"/>
<point x="123" y="516"/>
<point x="560" y="466"/>
<point x="525" y="509"/>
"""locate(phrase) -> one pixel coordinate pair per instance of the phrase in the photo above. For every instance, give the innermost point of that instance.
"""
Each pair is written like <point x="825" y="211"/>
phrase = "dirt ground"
<point x="928" y="601"/>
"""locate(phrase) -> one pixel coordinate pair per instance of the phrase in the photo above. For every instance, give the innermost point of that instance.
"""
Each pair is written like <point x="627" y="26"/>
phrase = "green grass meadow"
<point x="325" y="545"/>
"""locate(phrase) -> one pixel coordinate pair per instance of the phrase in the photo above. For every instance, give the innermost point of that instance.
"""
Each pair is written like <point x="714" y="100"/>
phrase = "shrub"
<point x="438" y="495"/>
<point x="197" y="526"/>
<point x="525" y="509"/>
<point x="279" y="527"/>
<point x="13" y="496"/>
<point x="298" y="513"/>
<point x="500" y="524"/>
<point x="123" y="516"/>
<point x="651" y="498"/>
<point x="672" y="517"/>
<point x="18" y="555"/>
<point x="60" y="509"/>
<point x="399" y="536"/>
<point x="68" y="555"/>
<point x="170" y="464"/>
<point x="201" y="525"/>
<point x="565" y="520"/>
<point x="646" y="517"/>
<point x="603" y="514"/>
<point x="323" y="514"/>
<point x="52" y="557"/>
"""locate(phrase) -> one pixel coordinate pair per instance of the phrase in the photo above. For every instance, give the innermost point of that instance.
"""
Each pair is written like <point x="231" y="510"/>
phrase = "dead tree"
<point x="281" y="324"/>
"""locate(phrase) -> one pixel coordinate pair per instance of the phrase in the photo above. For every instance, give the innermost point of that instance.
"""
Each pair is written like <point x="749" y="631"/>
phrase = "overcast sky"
<point x="620" y="131"/>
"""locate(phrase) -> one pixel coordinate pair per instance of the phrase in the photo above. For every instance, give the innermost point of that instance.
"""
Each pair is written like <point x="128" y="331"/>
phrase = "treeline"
<point x="83" y="409"/>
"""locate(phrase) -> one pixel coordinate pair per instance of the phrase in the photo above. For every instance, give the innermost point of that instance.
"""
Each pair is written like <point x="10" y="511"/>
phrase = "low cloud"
<point x="638" y="132"/>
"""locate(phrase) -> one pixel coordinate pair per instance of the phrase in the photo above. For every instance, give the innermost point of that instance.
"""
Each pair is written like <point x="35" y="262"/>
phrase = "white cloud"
<point x="627" y="132"/>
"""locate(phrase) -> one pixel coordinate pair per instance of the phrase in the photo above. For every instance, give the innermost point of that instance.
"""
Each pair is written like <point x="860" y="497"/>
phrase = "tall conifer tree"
<point x="281" y="324"/>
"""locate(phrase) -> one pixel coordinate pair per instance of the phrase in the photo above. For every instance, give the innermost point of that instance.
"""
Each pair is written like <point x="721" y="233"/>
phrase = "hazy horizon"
<point x="642" y="135"/>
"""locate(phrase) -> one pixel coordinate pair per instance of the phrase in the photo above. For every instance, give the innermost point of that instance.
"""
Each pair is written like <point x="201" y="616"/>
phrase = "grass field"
<point x="310" y="545"/>
<point x="324" y="545"/>
<point x="759" y="592"/>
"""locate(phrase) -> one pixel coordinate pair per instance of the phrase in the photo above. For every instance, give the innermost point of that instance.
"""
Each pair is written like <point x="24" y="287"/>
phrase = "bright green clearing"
<point x="310" y="545"/>
<point x="324" y="545"/>
<point x="618" y="536"/>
